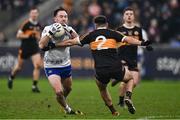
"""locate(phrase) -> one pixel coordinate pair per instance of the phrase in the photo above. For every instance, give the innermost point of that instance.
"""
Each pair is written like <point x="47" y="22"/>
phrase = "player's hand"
<point x="54" y="28"/>
<point x="146" y="43"/>
<point x="67" y="28"/>
<point x="50" y="46"/>
<point x="149" y="48"/>
<point x="32" y="36"/>
<point x="35" y="35"/>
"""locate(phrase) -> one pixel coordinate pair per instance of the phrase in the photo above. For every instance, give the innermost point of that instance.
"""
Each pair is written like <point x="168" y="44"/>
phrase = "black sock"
<point x="35" y="82"/>
<point x="121" y="99"/>
<point x="128" y="94"/>
<point x="111" y="108"/>
<point x="12" y="76"/>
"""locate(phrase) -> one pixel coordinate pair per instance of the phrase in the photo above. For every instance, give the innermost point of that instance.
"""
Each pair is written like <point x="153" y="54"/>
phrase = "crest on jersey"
<point x="136" y="33"/>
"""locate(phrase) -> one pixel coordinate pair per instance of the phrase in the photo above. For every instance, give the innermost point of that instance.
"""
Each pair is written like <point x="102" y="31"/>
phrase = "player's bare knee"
<point x="37" y="66"/>
<point x="19" y="67"/>
<point x="128" y="76"/>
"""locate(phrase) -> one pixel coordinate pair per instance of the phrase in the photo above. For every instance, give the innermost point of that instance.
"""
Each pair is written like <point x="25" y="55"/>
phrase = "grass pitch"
<point x="152" y="99"/>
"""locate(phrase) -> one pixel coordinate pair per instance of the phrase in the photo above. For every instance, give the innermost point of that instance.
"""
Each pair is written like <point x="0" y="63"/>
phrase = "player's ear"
<point x="55" y="19"/>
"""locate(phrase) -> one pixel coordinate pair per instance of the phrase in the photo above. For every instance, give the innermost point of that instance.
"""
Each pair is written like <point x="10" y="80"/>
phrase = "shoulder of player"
<point x="120" y="27"/>
<point x="25" y="22"/>
<point x="47" y="27"/>
<point x="138" y="27"/>
<point x="114" y="31"/>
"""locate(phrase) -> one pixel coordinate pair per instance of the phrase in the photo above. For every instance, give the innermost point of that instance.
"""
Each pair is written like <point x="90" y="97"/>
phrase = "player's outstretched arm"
<point x="134" y="41"/>
<point x="69" y="42"/>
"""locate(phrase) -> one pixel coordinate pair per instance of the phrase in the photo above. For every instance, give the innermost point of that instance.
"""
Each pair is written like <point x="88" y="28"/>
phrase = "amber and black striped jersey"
<point x="126" y="51"/>
<point x="103" y="45"/>
<point x="31" y="29"/>
<point x="29" y="46"/>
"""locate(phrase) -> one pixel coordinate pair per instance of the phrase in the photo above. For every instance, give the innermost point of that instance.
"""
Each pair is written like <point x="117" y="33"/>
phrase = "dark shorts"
<point x="63" y="72"/>
<point x="104" y="75"/>
<point x="131" y="64"/>
<point x="27" y="53"/>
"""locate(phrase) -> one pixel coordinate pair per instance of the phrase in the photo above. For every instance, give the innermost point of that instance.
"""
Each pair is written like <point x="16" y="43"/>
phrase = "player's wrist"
<point x="49" y="35"/>
<point x="145" y="43"/>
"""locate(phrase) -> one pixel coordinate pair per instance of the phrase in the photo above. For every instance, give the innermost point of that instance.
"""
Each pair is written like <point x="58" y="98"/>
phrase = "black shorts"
<point x="27" y="53"/>
<point x="131" y="64"/>
<point x="104" y="75"/>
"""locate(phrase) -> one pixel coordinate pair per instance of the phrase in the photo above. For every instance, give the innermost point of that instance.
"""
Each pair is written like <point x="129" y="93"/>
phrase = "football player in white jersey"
<point x="57" y="62"/>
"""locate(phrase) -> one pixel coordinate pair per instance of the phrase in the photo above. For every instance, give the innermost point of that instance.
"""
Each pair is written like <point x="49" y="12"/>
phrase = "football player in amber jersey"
<point x="128" y="54"/>
<point x="29" y="34"/>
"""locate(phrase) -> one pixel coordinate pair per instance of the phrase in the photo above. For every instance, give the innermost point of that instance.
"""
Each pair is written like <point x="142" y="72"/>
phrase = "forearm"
<point x="132" y="40"/>
<point x="22" y="36"/>
<point x="67" y="43"/>
<point x="43" y="42"/>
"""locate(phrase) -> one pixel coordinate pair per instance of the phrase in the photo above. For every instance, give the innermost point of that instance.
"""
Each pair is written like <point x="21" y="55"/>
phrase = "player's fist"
<point x="149" y="48"/>
<point x="146" y="43"/>
<point x="54" y="28"/>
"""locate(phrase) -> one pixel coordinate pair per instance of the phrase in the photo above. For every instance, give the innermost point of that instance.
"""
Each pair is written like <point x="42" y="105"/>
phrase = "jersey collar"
<point x="129" y="27"/>
<point x="102" y="28"/>
<point x="33" y="22"/>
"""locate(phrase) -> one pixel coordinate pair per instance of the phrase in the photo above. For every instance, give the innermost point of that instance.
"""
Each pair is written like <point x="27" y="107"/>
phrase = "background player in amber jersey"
<point x="103" y="45"/>
<point x="29" y="34"/>
<point x="128" y="53"/>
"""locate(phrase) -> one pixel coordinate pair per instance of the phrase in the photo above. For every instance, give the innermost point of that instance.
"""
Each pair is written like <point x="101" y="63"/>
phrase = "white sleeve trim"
<point x="123" y="38"/>
<point x="144" y="35"/>
<point x="20" y="31"/>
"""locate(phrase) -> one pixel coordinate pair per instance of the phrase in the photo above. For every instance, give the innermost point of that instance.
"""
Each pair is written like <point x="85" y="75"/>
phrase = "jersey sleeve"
<point x="119" y="36"/>
<point x="45" y="31"/>
<point x="23" y="26"/>
<point x="144" y="35"/>
<point x="85" y="39"/>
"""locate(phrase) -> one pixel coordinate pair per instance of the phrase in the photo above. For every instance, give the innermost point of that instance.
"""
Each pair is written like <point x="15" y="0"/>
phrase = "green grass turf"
<point x="153" y="99"/>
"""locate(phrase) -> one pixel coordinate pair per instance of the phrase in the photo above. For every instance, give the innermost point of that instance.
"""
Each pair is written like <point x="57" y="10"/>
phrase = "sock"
<point x="111" y="108"/>
<point x="35" y="82"/>
<point x="128" y="94"/>
<point x="12" y="76"/>
<point x="121" y="99"/>
<point x="67" y="108"/>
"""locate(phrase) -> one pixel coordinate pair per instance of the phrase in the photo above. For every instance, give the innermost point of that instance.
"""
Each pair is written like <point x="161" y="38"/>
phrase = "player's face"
<point x="128" y="16"/>
<point x="61" y="17"/>
<point x="34" y="14"/>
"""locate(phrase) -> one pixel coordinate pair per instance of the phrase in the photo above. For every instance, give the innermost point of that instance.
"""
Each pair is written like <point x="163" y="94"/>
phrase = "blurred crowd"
<point x="10" y="10"/>
<point x="160" y="18"/>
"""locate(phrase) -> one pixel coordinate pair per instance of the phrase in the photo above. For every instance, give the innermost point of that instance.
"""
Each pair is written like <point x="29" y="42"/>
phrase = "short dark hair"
<point x="128" y="9"/>
<point x="57" y="10"/>
<point x="34" y="8"/>
<point x="100" y="19"/>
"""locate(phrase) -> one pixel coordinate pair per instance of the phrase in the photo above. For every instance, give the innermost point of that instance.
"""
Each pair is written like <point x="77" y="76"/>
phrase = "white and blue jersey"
<point x="57" y="57"/>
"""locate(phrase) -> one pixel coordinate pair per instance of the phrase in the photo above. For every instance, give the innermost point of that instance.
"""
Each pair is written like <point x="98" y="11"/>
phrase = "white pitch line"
<point x="159" y="117"/>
